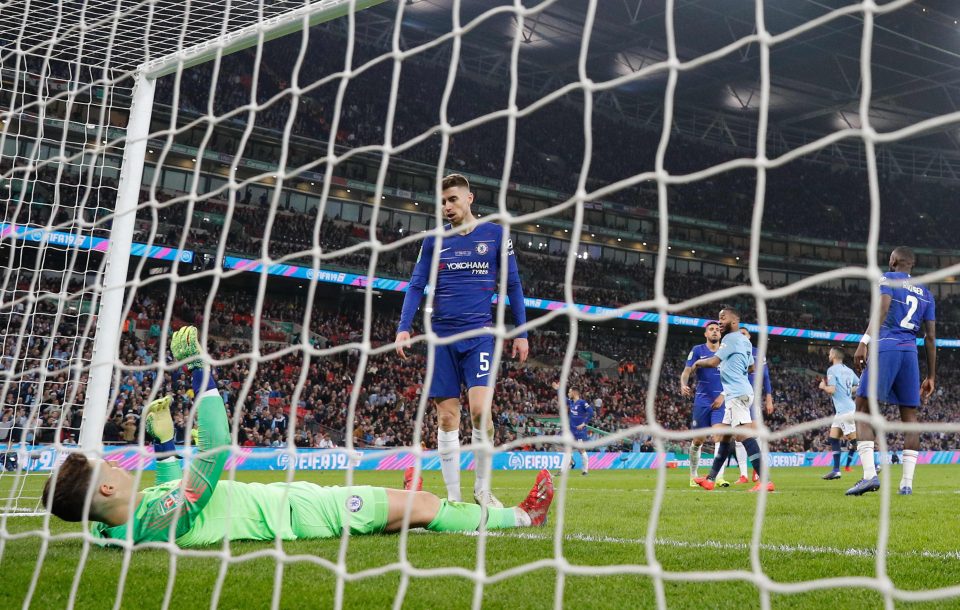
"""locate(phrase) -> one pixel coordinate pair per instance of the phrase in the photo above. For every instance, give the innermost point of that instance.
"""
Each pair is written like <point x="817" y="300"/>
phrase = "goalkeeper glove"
<point x="185" y="346"/>
<point x="158" y="423"/>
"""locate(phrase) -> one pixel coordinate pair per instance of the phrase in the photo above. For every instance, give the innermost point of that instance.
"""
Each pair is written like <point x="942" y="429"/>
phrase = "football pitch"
<point x="811" y="531"/>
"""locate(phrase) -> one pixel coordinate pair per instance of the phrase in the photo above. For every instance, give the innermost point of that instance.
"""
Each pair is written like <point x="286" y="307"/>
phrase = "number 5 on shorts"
<point x="484" y="361"/>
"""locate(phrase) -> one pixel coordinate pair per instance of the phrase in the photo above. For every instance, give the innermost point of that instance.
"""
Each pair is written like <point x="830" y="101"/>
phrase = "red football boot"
<point x="409" y="483"/>
<point x="537" y="502"/>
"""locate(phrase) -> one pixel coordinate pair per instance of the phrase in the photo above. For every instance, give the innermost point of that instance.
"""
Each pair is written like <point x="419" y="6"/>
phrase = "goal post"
<point x="109" y="316"/>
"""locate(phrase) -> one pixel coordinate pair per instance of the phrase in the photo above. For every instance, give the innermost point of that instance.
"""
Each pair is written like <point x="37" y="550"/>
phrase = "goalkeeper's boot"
<point x="411" y="483"/>
<point x="485" y="497"/>
<point x="833" y="475"/>
<point x="537" y="502"/>
<point x="722" y="482"/>
<point x="705" y="483"/>
<point x="863" y="486"/>
<point x="741" y="480"/>
<point x="905" y="491"/>
<point x="759" y="486"/>
<point x="186" y="347"/>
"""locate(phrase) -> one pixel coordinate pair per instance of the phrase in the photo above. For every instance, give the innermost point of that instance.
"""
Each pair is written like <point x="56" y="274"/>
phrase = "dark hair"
<point x="712" y="323"/>
<point x="731" y="309"/>
<point x="842" y="355"/>
<point x="455" y="180"/>
<point x="70" y="489"/>
<point x="905" y="252"/>
<point x="574" y="388"/>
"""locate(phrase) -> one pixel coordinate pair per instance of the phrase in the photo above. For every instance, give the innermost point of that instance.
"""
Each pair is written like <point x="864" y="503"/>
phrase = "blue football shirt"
<point x="467" y="276"/>
<point x="708" y="379"/>
<point x="580" y="412"/>
<point x="911" y="305"/>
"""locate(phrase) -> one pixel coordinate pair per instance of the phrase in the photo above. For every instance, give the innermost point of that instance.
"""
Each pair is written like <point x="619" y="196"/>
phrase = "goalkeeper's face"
<point x="456" y="205"/>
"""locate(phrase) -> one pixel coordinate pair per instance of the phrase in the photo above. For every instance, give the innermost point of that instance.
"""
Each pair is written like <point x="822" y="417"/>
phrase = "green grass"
<point x="808" y="533"/>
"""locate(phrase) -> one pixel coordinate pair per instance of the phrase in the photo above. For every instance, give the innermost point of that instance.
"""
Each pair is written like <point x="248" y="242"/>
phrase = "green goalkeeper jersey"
<point x="198" y="508"/>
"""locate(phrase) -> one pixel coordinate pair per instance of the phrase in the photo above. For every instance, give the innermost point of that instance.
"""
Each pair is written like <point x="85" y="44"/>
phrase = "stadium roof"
<point x="816" y="84"/>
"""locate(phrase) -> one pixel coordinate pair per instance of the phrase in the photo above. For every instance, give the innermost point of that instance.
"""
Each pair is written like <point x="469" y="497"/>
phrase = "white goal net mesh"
<point x="279" y="132"/>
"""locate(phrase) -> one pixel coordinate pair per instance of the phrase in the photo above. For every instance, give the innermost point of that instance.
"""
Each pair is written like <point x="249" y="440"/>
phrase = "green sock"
<point x="464" y="517"/>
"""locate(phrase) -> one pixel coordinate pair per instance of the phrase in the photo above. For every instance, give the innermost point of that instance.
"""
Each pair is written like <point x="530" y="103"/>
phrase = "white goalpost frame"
<point x="106" y="343"/>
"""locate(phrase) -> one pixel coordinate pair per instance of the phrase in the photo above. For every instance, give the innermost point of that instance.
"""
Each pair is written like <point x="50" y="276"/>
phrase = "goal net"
<point x="266" y="171"/>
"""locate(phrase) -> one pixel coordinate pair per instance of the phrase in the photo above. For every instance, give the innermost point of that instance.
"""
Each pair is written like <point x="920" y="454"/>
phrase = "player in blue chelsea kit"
<point x="841" y="384"/>
<point x="707" y="399"/>
<point x="467" y="278"/>
<point x="907" y="311"/>
<point x="580" y="412"/>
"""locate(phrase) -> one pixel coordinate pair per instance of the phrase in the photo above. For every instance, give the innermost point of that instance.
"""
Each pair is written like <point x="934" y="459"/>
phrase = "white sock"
<point x="909" y="464"/>
<point x="586" y="461"/>
<point x="448" y="446"/>
<point x="694" y="461"/>
<point x="742" y="460"/>
<point x="480" y="462"/>
<point x="865" y="451"/>
<point x="716" y="452"/>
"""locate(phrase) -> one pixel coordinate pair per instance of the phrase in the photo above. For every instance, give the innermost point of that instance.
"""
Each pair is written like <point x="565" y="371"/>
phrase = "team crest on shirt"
<point x="171" y="502"/>
<point x="354" y="503"/>
<point x="482" y="248"/>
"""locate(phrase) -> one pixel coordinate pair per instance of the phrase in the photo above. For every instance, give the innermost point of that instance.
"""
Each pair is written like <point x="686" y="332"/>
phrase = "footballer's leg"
<point x="835" y="453"/>
<point x="445" y="392"/>
<point x="911" y="450"/>
<point x="717" y="419"/>
<point x="851" y="449"/>
<point x="906" y="392"/>
<point x="476" y="362"/>
<point x="480" y="397"/>
<point x="865" y="432"/>
<point x="742" y="461"/>
<point x="723" y="452"/>
<point x="696" y="446"/>
<point x="448" y="444"/>
<point x="429" y="511"/>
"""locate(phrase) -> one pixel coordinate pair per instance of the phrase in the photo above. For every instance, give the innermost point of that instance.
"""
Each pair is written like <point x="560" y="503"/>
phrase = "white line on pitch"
<point x="725" y="546"/>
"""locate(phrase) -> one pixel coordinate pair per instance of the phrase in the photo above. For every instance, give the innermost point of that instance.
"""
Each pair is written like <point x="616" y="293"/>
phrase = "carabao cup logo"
<point x="515" y="462"/>
<point x="283" y="461"/>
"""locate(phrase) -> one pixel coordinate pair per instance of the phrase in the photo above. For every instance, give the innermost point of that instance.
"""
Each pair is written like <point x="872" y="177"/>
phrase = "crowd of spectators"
<point x="272" y="394"/>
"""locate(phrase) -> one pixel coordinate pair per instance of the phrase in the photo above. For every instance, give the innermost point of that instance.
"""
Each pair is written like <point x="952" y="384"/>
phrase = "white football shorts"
<point x="737" y="410"/>
<point x="845" y="423"/>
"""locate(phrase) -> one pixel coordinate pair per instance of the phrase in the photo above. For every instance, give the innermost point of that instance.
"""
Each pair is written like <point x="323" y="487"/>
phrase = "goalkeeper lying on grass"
<point x="199" y="509"/>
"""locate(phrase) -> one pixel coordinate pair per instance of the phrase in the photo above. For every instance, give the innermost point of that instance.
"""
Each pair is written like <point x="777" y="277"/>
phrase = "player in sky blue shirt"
<point x="907" y="312"/>
<point x="579" y="412"/>
<point x="840" y="384"/>
<point x="707" y="402"/>
<point x="468" y="273"/>
<point x="734" y="357"/>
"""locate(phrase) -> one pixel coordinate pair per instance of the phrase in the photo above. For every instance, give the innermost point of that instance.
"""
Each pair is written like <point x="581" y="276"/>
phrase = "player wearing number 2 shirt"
<point x="468" y="273"/>
<point x="907" y="311"/>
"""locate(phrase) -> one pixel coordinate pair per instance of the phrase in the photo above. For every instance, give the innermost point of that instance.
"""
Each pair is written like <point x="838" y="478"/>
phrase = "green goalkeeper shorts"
<point x="322" y="512"/>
